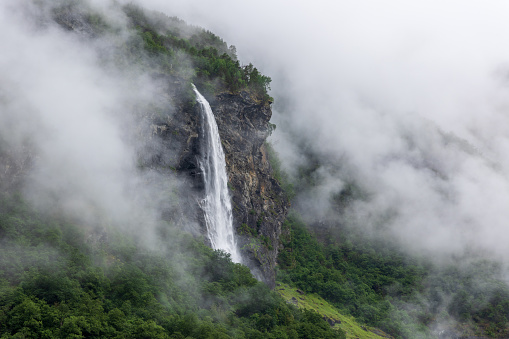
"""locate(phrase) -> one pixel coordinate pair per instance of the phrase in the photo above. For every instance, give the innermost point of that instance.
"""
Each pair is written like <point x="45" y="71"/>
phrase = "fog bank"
<point x="412" y="97"/>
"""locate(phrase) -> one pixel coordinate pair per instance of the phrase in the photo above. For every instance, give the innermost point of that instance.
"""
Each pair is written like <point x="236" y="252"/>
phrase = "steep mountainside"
<point x="166" y="129"/>
<point x="259" y="205"/>
<point x="101" y="231"/>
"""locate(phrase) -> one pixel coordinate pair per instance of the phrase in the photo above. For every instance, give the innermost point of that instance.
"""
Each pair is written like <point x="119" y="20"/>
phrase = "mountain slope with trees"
<point x="381" y="285"/>
<point x="62" y="276"/>
<point x="57" y="282"/>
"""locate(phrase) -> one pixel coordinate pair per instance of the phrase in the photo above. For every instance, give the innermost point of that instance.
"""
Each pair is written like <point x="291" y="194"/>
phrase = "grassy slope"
<point x="315" y="302"/>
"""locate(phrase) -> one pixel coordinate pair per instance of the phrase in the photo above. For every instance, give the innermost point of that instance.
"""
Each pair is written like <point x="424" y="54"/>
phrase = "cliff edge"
<point x="259" y="204"/>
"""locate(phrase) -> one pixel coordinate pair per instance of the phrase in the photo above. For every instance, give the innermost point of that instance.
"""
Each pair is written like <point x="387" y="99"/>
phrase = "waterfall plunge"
<point x="216" y="205"/>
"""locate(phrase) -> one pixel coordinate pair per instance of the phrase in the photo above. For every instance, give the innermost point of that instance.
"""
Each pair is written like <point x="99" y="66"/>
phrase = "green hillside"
<point x="56" y="283"/>
<point x="94" y="275"/>
<point x="314" y="302"/>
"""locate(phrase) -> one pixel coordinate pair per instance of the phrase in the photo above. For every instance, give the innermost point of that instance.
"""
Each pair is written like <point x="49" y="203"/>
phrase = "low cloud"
<point x="408" y="100"/>
<point x="65" y="101"/>
<point x="412" y="98"/>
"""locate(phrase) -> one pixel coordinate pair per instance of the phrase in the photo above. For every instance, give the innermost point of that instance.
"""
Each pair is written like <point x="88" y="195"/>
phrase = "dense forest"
<point x="61" y="278"/>
<point x="379" y="283"/>
<point x="57" y="282"/>
<point x="200" y="56"/>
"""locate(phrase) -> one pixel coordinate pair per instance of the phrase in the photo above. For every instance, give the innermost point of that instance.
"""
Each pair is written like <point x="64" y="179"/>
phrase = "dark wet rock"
<point x="169" y="132"/>
<point x="331" y="321"/>
<point x="259" y="205"/>
<point x="258" y="202"/>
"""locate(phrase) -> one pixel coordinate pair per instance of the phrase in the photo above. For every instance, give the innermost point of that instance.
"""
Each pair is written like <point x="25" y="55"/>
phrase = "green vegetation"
<point x="356" y="280"/>
<point x="314" y="302"/>
<point x="382" y="288"/>
<point x="61" y="280"/>
<point x="280" y="175"/>
<point x="200" y="56"/>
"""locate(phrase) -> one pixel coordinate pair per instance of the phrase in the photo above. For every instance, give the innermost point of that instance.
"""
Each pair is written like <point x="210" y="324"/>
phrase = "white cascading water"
<point x="216" y="205"/>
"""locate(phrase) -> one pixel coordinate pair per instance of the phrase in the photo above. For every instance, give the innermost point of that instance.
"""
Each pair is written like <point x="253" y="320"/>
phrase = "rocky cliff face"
<point x="259" y="205"/>
<point x="169" y="143"/>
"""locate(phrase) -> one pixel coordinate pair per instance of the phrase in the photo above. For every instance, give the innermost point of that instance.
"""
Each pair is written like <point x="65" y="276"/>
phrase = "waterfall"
<point x="216" y="205"/>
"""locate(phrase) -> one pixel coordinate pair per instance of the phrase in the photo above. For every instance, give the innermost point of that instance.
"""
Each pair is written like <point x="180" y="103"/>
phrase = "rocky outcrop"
<point x="259" y="205"/>
<point x="168" y="142"/>
<point x="331" y="321"/>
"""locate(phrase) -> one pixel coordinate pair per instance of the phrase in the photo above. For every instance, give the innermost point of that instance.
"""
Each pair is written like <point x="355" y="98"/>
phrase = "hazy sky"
<point x="62" y="101"/>
<point x="412" y="95"/>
